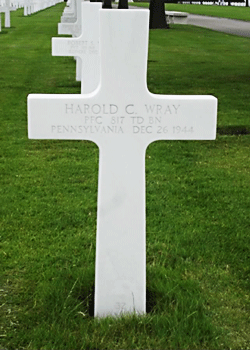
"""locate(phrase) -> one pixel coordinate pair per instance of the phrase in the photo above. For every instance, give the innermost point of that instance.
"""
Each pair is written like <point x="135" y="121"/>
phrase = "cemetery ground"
<point x="198" y="200"/>
<point x="233" y="12"/>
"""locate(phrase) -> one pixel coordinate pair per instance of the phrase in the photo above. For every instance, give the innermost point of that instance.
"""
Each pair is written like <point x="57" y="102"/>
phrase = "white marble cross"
<point x="122" y="117"/>
<point x="86" y="46"/>
<point x="6" y="9"/>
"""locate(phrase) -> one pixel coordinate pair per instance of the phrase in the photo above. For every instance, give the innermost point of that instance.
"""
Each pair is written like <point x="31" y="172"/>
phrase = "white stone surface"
<point x="86" y="46"/>
<point x="74" y="28"/>
<point x="69" y="13"/>
<point x="27" y="7"/>
<point x="7" y="8"/>
<point x="122" y="117"/>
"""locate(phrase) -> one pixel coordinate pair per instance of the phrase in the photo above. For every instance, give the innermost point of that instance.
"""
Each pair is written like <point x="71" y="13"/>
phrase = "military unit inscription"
<point x="84" y="47"/>
<point x="110" y="119"/>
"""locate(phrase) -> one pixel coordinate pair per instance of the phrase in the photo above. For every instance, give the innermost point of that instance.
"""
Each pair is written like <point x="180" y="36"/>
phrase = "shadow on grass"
<point x="69" y="84"/>
<point x="151" y="300"/>
<point x="233" y="130"/>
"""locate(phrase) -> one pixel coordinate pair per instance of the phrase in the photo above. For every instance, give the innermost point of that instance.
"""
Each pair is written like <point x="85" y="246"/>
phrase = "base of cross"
<point x="122" y="117"/>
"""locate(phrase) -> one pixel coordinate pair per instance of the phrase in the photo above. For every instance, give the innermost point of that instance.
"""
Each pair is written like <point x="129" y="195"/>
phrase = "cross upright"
<point x="85" y="46"/>
<point x="6" y="9"/>
<point x="122" y="117"/>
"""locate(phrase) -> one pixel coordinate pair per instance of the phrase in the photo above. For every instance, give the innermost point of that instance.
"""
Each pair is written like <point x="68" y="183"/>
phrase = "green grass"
<point x="233" y="12"/>
<point x="198" y="199"/>
<point x="199" y="61"/>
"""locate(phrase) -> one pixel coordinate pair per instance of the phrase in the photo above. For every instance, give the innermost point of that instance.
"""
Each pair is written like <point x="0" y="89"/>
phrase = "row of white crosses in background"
<point x="85" y="44"/>
<point x="73" y="27"/>
<point x="122" y="117"/>
<point x="43" y="4"/>
<point x="29" y="6"/>
<point x="69" y="13"/>
<point x="32" y="6"/>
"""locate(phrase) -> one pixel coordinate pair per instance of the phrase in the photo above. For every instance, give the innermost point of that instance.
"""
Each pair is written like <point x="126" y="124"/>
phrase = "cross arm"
<point x="173" y="117"/>
<point x="61" y="117"/>
<point x="72" y="47"/>
<point x="7" y="8"/>
<point x="96" y="117"/>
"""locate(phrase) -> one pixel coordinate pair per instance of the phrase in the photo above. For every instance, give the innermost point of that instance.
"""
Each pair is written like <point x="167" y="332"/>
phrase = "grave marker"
<point x="86" y="46"/>
<point x="122" y="117"/>
<point x="7" y="9"/>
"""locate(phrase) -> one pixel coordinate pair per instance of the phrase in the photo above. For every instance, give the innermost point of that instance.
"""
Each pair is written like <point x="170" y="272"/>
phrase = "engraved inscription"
<point x="95" y="109"/>
<point x="86" y="129"/>
<point x="82" y="47"/>
<point x="181" y="129"/>
<point x="109" y="118"/>
<point x="120" y="307"/>
<point x="163" y="110"/>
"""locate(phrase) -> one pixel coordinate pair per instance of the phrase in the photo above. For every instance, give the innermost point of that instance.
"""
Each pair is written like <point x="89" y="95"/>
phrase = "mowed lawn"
<point x="234" y="12"/>
<point x="198" y="204"/>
